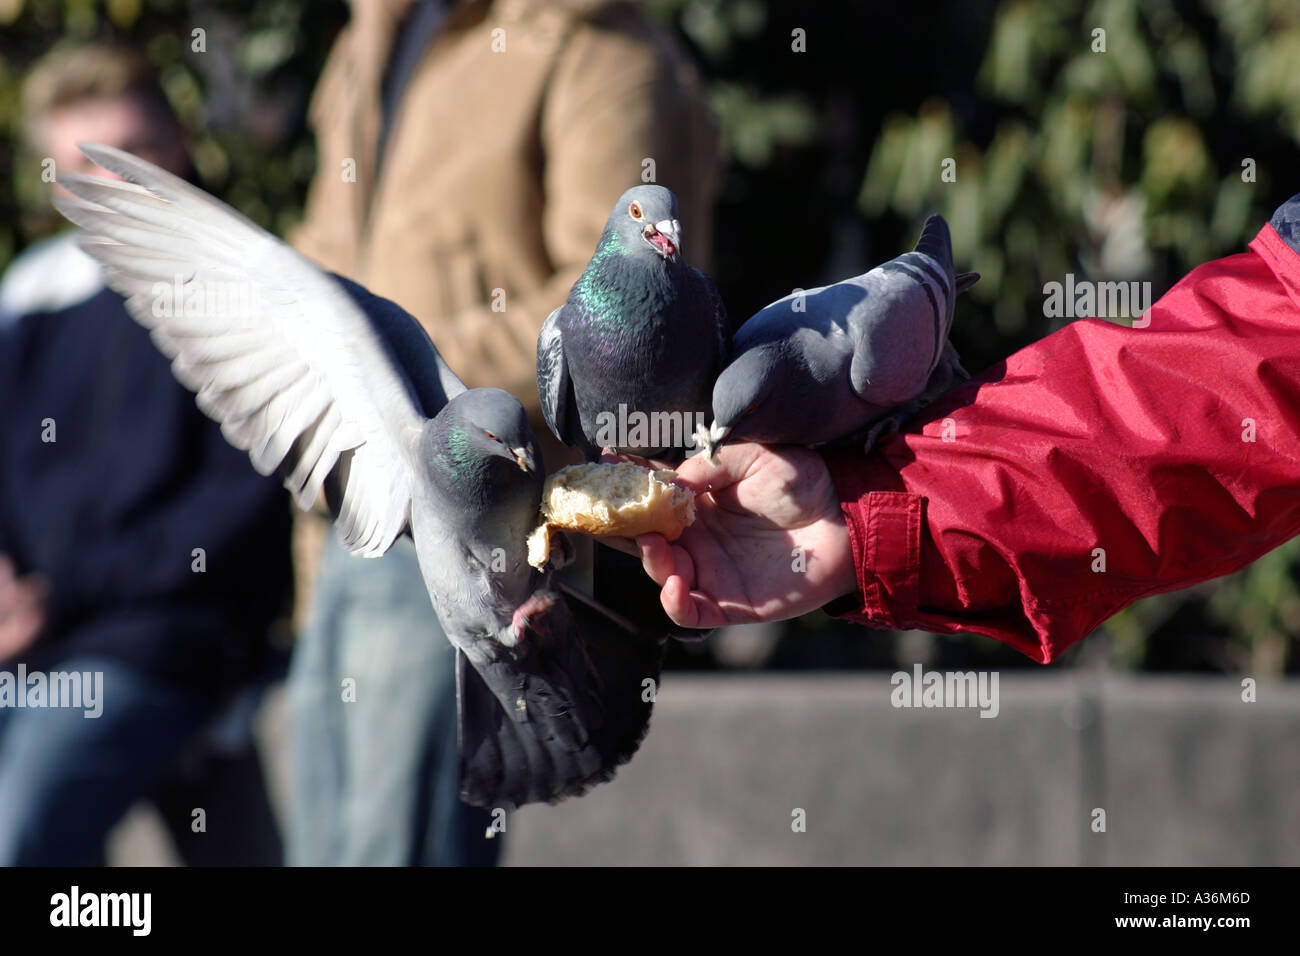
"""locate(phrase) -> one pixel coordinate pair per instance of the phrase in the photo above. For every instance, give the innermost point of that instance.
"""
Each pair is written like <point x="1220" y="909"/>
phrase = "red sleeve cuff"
<point x="904" y="583"/>
<point x="885" y="534"/>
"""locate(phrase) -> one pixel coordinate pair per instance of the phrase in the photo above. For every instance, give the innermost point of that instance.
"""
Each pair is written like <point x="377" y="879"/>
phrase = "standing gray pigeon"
<point x="849" y="359"/>
<point x="340" y="391"/>
<point x="640" y="340"/>
<point x="628" y="363"/>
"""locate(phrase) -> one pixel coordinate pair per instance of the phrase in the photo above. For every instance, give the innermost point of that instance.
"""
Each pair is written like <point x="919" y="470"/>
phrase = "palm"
<point x="768" y="541"/>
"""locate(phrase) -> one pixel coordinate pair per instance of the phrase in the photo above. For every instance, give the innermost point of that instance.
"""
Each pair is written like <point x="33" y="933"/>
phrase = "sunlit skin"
<point x="121" y="121"/>
<point x="22" y="609"/>
<point x="737" y="563"/>
<point x="127" y="123"/>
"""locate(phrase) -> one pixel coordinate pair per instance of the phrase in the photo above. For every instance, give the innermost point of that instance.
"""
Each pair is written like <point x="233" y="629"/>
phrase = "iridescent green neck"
<point x="601" y="298"/>
<point x="459" y="454"/>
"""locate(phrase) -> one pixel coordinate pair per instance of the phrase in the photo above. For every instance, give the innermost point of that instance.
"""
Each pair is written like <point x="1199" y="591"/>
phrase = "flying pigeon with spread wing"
<point x="340" y="391"/>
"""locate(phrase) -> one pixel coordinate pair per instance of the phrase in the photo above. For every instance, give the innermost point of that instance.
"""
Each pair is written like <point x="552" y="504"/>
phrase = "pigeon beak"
<point x="665" y="235"/>
<point x="524" y="459"/>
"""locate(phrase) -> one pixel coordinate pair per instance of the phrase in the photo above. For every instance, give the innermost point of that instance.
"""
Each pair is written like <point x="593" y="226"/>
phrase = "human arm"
<point x="1098" y="466"/>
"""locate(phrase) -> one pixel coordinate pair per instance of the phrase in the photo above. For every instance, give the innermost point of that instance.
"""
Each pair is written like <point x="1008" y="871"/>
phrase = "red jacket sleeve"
<point x="1098" y="466"/>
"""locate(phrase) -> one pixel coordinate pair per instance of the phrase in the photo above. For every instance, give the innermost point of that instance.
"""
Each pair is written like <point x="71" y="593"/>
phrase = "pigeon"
<point x="342" y="392"/>
<point x="627" y="365"/>
<point x="640" y="340"/>
<point x="849" y="360"/>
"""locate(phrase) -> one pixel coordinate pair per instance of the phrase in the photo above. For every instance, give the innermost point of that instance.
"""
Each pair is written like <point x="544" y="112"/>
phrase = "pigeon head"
<point x="744" y="393"/>
<point x="481" y="450"/>
<point x="491" y="426"/>
<point x="645" y="219"/>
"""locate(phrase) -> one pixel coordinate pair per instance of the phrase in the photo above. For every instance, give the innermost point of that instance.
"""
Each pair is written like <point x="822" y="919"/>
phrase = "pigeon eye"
<point x="634" y="210"/>
<point x="491" y="436"/>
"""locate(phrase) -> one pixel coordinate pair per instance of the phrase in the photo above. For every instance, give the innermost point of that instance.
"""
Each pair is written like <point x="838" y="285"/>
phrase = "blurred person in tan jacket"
<point x="469" y="155"/>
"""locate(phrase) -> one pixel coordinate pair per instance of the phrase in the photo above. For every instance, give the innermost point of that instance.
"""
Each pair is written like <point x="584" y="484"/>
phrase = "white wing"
<point x="275" y="349"/>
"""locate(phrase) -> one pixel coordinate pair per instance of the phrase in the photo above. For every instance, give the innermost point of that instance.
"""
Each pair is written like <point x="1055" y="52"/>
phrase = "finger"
<point x="626" y="545"/>
<point x="662" y="560"/>
<point x="707" y="611"/>
<point x="690" y="608"/>
<point x="612" y="457"/>
<point x="656" y="557"/>
<point x="677" y="604"/>
<point x="702" y="474"/>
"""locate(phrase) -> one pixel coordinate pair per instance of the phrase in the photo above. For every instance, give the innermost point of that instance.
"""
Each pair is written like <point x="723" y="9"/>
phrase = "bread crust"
<point x="620" y="499"/>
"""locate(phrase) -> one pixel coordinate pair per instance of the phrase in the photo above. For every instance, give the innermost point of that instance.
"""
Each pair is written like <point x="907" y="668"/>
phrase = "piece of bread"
<point x="620" y="499"/>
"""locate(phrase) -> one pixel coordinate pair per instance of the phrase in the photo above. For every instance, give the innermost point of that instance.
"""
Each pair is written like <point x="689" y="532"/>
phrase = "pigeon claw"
<point x="530" y="616"/>
<point x="711" y="439"/>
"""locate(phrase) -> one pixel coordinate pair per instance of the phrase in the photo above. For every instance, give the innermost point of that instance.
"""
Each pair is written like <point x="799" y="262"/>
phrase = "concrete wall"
<point x="1186" y="772"/>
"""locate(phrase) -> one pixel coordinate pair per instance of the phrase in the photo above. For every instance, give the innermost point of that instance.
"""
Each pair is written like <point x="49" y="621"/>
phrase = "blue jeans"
<point x="376" y="778"/>
<point x="66" y="779"/>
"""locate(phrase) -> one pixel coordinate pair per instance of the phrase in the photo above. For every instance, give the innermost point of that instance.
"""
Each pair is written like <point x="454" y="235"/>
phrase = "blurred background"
<point x="1172" y="148"/>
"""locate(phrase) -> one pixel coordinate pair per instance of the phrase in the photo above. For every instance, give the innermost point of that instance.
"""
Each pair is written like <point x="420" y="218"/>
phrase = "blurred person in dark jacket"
<point x="137" y="548"/>
<point x="469" y="155"/>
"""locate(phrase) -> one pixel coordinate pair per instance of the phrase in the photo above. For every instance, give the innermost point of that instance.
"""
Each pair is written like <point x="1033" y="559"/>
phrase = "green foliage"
<point x="1069" y="145"/>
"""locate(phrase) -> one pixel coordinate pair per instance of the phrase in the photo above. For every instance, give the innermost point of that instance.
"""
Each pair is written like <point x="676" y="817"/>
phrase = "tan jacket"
<point x="502" y="166"/>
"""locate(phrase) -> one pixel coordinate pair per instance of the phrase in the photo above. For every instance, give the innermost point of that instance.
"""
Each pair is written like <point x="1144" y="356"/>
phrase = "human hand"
<point x="769" y="541"/>
<point x="22" y="609"/>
